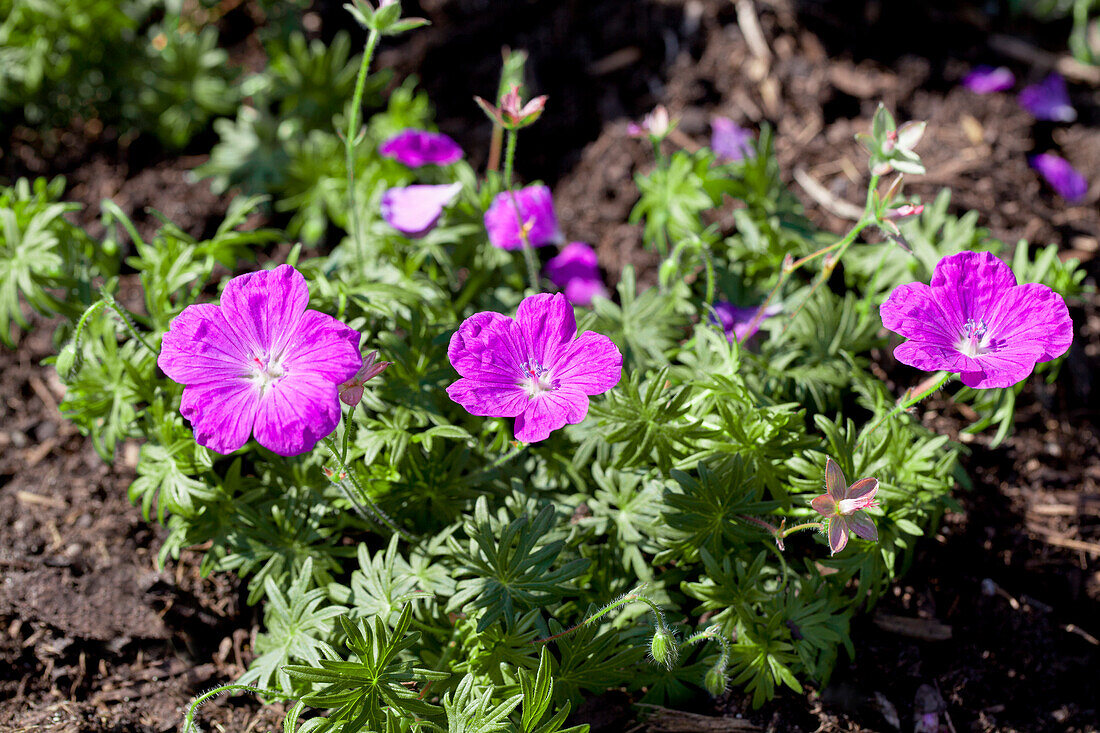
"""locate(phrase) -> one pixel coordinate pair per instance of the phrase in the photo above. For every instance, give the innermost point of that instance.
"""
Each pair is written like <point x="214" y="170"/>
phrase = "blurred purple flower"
<point x="986" y="80"/>
<point x="736" y="320"/>
<point x="533" y="367"/>
<point x="576" y="271"/>
<point x="1062" y="177"/>
<point x="414" y="210"/>
<point x="415" y="148"/>
<point x="260" y="363"/>
<point x="536" y="211"/>
<point x="841" y="504"/>
<point x="972" y="319"/>
<point x="1048" y="100"/>
<point x="729" y="141"/>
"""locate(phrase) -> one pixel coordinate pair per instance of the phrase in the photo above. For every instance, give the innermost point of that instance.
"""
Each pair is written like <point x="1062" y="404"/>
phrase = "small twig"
<point x="750" y="28"/>
<point x="824" y="198"/>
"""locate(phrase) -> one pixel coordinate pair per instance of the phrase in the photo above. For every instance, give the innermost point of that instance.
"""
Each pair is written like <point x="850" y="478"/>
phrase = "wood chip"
<point x="917" y="628"/>
<point x="51" y="501"/>
<point x="664" y="720"/>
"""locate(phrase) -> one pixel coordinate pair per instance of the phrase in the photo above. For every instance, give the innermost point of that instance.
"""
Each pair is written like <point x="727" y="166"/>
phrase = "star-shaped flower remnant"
<point x="533" y="367"/>
<point x="841" y="504"/>
<point x="973" y="320"/>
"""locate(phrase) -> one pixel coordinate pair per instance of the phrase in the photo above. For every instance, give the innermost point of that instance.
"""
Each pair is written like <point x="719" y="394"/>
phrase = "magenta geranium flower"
<point x="533" y="367"/>
<point x="536" y="211"/>
<point x="1048" y="100"/>
<point x="986" y="80"/>
<point x="736" y="320"/>
<point x="841" y="504"/>
<point x="415" y="148"/>
<point x="974" y="320"/>
<point x="260" y="363"/>
<point x="415" y="210"/>
<point x="1062" y="177"/>
<point x="576" y="271"/>
<point x="729" y="141"/>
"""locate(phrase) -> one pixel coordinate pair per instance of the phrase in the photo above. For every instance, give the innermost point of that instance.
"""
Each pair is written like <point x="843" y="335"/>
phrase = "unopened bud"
<point x="891" y="141"/>
<point x="351" y="391"/>
<point x="663" y="648"/>
<point x="715" y="681"/>
<point x="788" y="262"/>
<point x="66" y="359"/>
<point x="905" y="210"/>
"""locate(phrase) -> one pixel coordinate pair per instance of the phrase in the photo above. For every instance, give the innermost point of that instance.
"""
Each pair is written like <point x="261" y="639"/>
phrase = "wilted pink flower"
<point x="1048" y="100"/>
<point x="415" y="148"/>
<point x="655" y="124"/>
<point x="577" y="272"/>
<point x="972" y="319"/>
<point x="736" y="320"/>
<point x="533" y="368"/>
<point x="986" y="80"/>
<point x="1062" y="177"/>
<point x="260" y="363"/>
<point x="512" y="113"/>
<point x="729" y="141"/>
<point x="536" y="211"/>
<point x="841" y="504"/>
<point x="415" y="210"/>
<point x="351" y="391"/>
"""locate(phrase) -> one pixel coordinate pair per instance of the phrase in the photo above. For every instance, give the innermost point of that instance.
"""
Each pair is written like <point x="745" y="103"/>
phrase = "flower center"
<point x="536" y="380"/>
<point x="975" y="339"/>
<point x="267" y="370"/>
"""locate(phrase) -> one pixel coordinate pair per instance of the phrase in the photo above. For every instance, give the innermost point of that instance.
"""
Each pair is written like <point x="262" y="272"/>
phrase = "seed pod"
<point x="663" y="647"/>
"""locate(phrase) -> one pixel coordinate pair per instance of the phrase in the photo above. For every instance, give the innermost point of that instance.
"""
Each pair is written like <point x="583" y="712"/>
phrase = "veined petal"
<point x="200" y="347"/>
<point x="1030" y="317"/>
<point x="591" y="363"/>
<point x="1001" y="369"/>
<point x="824" y="505"/>
<point x="835" y="483"/>
<point x="324" y="347"/>
<point x="489" y="399"/>
<point x="221" y="413"/>
<point x="548" y="325"/>
<point x="913" y="312"/>
<point x="838" y="534"/>
<point x="548" y="412"/>
<point x="863" y="491"/>
<point x="263" y="308"/>
<point x="488" y="347"/>
<point x="968" y="285"/>
<point x="862" y="525"/>
<point x="296" y="412"/>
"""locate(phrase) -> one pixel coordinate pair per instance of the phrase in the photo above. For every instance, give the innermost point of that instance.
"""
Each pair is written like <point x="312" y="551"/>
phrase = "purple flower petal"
<point x="1048" y="100"/>
<point x="835" y="483"/>
<point x="863" y="527"/>
<point x="415" y="148"/>
<point x="532" y="368"/>
<point x="729" y="141"/>
<point x="536" y="209"/>
<point x="415" y="210"/>
<point x="736" y="320"/>
<point x="260" y="363"/>
<point x="838" y="534"/>
<point x="986" y="79"/>
<point x="1062" y="177"/>
<point x="974" y="320"/>
<point x="576" y="271"/>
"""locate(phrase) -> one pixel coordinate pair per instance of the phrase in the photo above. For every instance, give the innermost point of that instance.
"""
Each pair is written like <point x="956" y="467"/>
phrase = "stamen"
<point x="973" y="338"/>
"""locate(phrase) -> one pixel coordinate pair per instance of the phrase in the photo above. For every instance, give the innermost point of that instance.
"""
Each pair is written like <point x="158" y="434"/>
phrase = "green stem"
<point x="189" y="720"/>
<point x="908" y="399"/>
<point x="363" y="505"/>
<point x="351" y="140"/>
<point x="634" y="595"/>
<point x="109" y="301"/>
<point x="509" y="158"/>
<point x="528" y="250"/>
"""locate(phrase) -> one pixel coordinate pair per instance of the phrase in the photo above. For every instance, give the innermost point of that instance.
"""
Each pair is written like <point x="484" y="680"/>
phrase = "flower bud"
<point x="66" y="359"/>
<point x="715" y="681"/>
<point x="663" y="647"/>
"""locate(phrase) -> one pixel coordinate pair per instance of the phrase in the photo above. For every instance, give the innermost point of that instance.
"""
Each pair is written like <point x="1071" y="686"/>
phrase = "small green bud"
<point x="663" y="648"/>
<point x="715" y="681"/>
<point x="66" y="359"/>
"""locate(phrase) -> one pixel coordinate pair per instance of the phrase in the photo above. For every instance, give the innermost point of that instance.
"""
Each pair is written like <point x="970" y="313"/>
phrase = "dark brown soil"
<point x="994" y="626"/>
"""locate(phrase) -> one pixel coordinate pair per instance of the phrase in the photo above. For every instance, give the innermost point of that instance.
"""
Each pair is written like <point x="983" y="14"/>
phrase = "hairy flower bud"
<point x="715" y="681"/>
<point x="66" y="359"/>
<point x="663" y="647"/>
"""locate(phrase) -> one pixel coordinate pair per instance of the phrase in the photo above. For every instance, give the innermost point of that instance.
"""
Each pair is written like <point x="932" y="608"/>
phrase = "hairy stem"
<point x="359" y="499"/>
<point x="189" y="720"/>
<point x="351" y="141"/>
<point x="911" y="397"/>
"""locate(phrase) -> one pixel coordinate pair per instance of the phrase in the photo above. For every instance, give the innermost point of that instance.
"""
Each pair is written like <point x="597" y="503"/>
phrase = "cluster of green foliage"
<point x="137" y="63"/>
<point x="475" y="597"/>
<point x="1084" y="15"/>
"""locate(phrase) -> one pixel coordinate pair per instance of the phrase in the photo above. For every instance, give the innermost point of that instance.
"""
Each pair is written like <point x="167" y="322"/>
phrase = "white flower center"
<point x="974" y="340"/>
<point x="267" y="370"/>
<point x="536" y="380"/>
